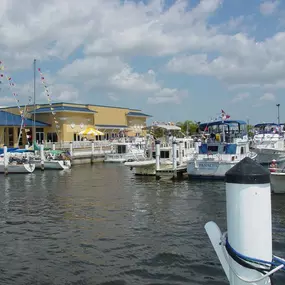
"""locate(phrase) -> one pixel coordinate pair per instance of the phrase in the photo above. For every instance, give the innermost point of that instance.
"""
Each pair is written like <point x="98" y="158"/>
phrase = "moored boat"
<point x="268" y="143"/>
<point x="225" y="143"/>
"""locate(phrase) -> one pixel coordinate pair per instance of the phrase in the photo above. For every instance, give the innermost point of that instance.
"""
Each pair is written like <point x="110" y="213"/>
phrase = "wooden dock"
<point x="170" y="173"/>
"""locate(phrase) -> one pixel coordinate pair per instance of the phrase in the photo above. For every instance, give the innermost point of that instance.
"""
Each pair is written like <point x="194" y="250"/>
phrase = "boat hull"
<point x="18" y="168"/>
<point x="277" y="182"/>
<point x="265" y="156"/>
<point x="121" y="158"/>
<point x="54" y="164"/>
<point x="209" y="169"/>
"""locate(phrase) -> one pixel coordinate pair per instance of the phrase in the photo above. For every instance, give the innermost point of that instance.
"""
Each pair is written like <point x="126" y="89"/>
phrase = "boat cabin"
<point x="224" y="137"/>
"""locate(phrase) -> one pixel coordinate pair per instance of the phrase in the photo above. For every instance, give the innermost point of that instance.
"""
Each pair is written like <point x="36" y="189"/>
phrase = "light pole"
<point x="278" y="114"/>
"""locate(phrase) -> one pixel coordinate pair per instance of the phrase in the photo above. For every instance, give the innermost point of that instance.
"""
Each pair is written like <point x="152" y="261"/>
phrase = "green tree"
<point x="192" y="127"/>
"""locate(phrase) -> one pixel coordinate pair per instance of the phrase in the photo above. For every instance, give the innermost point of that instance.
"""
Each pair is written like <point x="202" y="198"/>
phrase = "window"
<point x="122" y="148"/>
<point x="40" y="136"/>
<point x="52" y="137"/>
<point x="11" y="136"/>
<point x="164" y="154"/>
<point x="242" y="150"/>
<point x="213" y="148"/>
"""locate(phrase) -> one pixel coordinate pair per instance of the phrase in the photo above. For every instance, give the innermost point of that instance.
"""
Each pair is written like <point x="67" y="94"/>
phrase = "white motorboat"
<point x="225" y="144"/>
<point x="147" y="164"/>
<point x="268" y="143"/>
<point x="124" y="151"/>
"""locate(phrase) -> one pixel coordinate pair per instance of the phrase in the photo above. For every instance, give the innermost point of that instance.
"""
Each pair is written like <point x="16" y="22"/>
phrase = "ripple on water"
<point x="100" y="225"/>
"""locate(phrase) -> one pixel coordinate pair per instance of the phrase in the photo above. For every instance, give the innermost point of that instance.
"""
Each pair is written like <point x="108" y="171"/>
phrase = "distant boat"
<point x="223" y="145"/>
<point x="268" y="143"/>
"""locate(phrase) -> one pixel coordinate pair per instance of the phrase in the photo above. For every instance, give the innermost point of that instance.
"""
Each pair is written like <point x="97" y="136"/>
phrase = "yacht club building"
<point x="64" y="121"/>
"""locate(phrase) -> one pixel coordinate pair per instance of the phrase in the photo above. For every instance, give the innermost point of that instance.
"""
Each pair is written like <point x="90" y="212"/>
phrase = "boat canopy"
<point x="218" y="123"/>
<point x="265" y="125"/>
<point x="166" y="127"/>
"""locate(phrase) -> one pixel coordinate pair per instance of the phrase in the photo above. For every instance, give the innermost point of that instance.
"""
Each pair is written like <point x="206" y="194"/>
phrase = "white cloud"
<point x="109" y="33"/>
<point x="268" y="7"/>
<point x="240" y="97"/>
<point x="167" y="95"/>
<point x="267" y="97"/>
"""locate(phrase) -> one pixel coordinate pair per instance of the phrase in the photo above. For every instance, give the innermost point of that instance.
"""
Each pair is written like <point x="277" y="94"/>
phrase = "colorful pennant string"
<point x="49" y="101"/>
<point x="16" y="98"/>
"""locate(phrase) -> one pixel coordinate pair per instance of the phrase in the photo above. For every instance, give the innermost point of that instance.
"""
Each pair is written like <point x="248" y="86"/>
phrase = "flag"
<point x="224" y="116"/>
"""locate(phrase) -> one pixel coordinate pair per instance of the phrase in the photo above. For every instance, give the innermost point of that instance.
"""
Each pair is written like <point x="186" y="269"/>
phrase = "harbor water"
<point x="101" y="225"/>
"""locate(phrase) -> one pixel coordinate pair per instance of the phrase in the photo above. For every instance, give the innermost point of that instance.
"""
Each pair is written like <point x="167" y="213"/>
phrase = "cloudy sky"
<point x="175" y="60"/>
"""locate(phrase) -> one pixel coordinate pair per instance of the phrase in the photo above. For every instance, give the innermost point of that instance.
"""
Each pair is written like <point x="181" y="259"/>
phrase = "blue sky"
<point x="175" y="60"/>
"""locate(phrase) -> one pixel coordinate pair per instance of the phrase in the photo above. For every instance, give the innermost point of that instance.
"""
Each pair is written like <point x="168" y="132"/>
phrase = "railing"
<point x="77" y="144"/>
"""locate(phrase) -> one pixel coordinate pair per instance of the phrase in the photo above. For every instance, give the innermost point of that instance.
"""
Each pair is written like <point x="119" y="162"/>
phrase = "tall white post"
<point x="150" y="152"/>
<point x="92" y="151"/>
<point x="196" y="145"/>
<point x="5" y="160"/>
<point x="26" y="146"/>
<point x="249" y="221"/>
<point x="71" y="149"/>
<point x="157" y="154"/>
<point x="53" y="146"/>
<point x="180" y="152"/>
<point x="42" y="157"/>
<point x="174" y="155"/>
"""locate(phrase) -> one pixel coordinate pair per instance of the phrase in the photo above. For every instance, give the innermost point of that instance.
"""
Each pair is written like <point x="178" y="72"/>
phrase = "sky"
<point x="175" y="60"/>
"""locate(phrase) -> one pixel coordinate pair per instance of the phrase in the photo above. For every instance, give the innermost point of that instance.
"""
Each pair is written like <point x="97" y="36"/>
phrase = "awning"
<point x="91" y="132"/>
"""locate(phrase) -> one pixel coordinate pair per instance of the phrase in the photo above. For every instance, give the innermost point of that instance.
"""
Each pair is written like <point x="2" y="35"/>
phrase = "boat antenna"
<point x="34" y="119"/>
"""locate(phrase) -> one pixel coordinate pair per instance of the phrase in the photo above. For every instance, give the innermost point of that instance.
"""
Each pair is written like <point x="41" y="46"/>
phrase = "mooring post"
<point x="249" y="224"/>
<point x="26" y="146"/>
<point x="42" y="157"/>
<point x="71" y="149"/>
<point x="92" y="151"/>
<point x="5" y="160"/>
<point x="53" y="146"/>
<point x="157" y="154"/>
<point x="174" y="155"/>
<point x="249" y="220"/>
<point x="180" y="152"/>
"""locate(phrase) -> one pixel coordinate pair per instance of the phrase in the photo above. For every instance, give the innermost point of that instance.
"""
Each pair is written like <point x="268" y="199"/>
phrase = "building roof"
<point x="62" y="109"/>
<point x="111" y="126"/>
<point x="76" y="104"/>
<point x="9" y="119"/>
<point x="137" y="114"/>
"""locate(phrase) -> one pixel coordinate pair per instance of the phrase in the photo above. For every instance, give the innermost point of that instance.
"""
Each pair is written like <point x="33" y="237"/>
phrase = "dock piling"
<point x="174" y="155"/>
<point x="92" y="151"/>
<point x="249" y="224"/>
<point x="157" y="154"/>
<point x="5" y="160"/>
<point x="42" y="157"/>
<point x="71" y="149"/>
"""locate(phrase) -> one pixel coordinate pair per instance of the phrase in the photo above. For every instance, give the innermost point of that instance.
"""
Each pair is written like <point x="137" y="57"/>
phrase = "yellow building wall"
<point x="109" y="116"/>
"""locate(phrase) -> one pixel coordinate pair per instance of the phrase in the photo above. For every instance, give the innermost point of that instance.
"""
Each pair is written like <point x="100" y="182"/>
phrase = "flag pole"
<point x="223" y="127"/>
